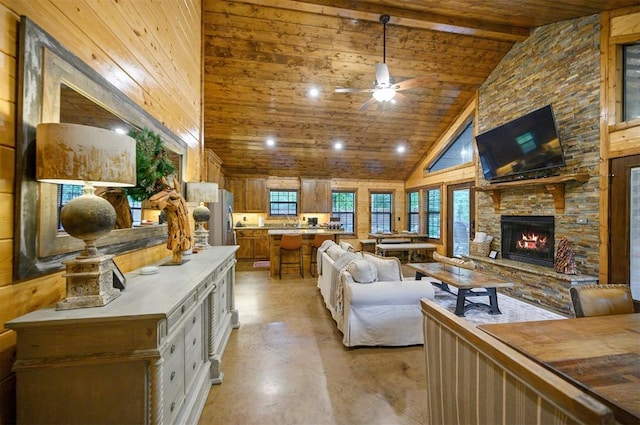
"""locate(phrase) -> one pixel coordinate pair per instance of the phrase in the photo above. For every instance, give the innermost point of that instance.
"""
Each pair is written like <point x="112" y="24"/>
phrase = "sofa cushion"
<point x="408" y="292"/>
<point x="362" y="271"/>
<point x="334" y="251"/>
<point x="388" y="268"/>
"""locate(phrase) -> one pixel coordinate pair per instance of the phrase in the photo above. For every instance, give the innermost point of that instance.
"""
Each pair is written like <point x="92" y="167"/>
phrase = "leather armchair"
<point x="601" y="300"/>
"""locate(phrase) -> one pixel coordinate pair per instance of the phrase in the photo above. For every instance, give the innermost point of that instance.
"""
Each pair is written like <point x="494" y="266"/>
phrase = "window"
<point x="459" y="152"/>
<point x="413" y="211"/>
<point x="631" y="82"/>
<point x="343" y="205"/>
<point x="381" y="212"/>
<point x="283" y="202"/>
<point x="432" y="207"/>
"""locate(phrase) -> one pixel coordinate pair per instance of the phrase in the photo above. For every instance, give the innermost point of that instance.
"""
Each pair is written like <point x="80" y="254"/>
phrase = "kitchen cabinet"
<point x="148" y="357"/>
<point x="315" y="196"/>
<point x="249" y="194"/>
<point x="254" y="244"/>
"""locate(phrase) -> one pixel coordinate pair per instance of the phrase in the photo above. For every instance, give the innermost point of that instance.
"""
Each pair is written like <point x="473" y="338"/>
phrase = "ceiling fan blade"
<point x="401" y="99"/>
<point x="366" y="104"/>
<point x="413" y="83"/>
<point x="382" y="75"/>
<point x="348" y="90"/>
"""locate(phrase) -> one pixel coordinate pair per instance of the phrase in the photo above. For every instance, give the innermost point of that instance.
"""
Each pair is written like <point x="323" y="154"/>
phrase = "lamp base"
<point x="201" y="237"/>
<point x="89" y="283"/>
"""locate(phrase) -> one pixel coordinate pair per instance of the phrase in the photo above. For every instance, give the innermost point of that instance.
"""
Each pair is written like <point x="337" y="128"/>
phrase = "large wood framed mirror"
<point x="54" y="85"/>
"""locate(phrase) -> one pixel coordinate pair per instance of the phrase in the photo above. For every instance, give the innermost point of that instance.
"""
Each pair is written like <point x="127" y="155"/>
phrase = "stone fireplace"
<point x="529" y="239"/>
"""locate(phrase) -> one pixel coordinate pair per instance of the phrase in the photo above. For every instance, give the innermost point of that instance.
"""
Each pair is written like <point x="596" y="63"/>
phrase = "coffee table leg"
<point x="460" y="300"/>
<point x="493" y="301"/>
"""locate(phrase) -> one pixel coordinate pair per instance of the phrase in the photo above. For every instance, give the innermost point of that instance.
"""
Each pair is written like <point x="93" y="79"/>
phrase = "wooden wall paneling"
<point x="7" y="118"/>
<point x="7" y="165"/>
<point x="6" y="215"/>
<point x="7" y="77"/>
<point x="6" y="262"/>
<point x="126" y="64"/>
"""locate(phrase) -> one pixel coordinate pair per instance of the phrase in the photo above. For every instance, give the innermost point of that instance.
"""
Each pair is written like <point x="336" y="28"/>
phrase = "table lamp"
<point x="78" y="154"/>
<point x="202" y="192"/>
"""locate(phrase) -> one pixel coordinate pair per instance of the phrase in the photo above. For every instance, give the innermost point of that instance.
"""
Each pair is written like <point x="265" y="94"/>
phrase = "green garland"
<point x="152" y="163"/>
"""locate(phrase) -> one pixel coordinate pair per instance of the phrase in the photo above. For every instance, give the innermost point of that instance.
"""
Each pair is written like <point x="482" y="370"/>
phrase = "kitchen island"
<point x="275" y="235"/>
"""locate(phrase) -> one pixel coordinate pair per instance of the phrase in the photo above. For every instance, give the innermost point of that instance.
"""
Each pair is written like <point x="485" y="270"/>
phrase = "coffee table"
<point x="469" y="284"/>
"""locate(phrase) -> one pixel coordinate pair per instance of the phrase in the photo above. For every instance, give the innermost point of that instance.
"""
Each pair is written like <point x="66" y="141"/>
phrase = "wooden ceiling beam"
<point x="402" y="17"/>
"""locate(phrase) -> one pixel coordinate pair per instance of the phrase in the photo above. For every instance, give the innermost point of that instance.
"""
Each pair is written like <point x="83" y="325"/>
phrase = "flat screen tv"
<point x="523" y="148"/>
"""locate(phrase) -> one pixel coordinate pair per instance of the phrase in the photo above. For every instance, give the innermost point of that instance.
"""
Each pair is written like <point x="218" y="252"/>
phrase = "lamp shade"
<point x="73" y="153"/>
<point x="202" y="192"/>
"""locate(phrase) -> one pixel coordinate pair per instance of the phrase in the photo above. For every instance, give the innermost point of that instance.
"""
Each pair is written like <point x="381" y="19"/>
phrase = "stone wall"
<point x="558" y="64"/>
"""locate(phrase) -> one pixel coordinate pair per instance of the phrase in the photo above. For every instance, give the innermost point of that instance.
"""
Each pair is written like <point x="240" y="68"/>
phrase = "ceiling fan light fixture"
<point x="384" y="94"/>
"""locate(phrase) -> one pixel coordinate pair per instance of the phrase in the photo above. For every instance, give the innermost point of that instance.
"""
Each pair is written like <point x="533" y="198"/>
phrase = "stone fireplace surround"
<point x="535" y="284"/>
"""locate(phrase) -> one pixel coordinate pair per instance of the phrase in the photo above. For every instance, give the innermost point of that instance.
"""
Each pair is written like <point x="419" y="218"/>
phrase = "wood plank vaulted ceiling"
<point x="263" y="56"/>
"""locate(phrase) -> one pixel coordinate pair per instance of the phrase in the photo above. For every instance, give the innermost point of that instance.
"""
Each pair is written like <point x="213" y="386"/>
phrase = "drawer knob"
<point x="194" y="341"/>
<point x="173" y="348"/>
<point x="173" y="375"/>
<point x="194" y="320"/>
<point x="194" y="366"/>
<point x="184" y="307"/>
<point x="173" y="406"/>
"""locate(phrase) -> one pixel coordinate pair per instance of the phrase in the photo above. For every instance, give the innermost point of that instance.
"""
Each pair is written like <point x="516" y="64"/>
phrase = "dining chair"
<point x="318" y="239"/>
<point x="601" y="300"/>
<point x="288" y="244"/>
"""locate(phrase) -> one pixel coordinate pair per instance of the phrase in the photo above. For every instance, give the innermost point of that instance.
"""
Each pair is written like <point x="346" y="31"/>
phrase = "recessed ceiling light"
<point x="120" y="130"/>
<point x="337" y="146"/>
<point x="400" y="149"/>
<point x="314" y="92"/>
<point x="270" y="142"/>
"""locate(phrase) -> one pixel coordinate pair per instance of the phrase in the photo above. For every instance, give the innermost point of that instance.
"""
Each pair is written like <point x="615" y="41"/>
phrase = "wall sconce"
<point x="202" y="192"/>
<point x="78" y="154"/>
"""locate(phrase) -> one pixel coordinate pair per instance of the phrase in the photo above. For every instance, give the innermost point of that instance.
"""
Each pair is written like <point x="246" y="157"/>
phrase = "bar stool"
<point x="318" y="239"/>
<point x="291" y="242"/>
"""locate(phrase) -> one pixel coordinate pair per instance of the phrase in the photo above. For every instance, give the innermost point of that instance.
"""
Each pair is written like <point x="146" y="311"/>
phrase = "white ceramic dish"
<point x="149" y="270"/>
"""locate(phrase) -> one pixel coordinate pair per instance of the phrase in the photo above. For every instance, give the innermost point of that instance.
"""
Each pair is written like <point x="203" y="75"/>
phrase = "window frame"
<point x="353" y="213"/>
<point x="389" y="213"/>
<point x="468" y="124"/>
<point x="413" y="215"/>
<point x="427" y="213"/>
<point x="289" y="213"/>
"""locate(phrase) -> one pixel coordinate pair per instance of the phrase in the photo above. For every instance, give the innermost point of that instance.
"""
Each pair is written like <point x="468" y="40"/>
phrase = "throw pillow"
<point x="388" y="268"/>
<point x="362" y="271"/>
<point x="334" y="252"/>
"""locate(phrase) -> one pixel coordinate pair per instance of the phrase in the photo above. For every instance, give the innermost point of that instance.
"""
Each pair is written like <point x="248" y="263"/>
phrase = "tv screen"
<point x="527" y="144"/>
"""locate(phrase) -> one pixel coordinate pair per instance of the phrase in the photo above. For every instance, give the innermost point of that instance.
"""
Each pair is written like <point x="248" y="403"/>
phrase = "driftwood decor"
<point x="171" y="201"/>
<point x="565" y="261"/>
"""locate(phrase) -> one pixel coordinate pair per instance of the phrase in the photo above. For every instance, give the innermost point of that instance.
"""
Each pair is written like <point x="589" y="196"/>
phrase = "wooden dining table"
<point x="600" y="355"/>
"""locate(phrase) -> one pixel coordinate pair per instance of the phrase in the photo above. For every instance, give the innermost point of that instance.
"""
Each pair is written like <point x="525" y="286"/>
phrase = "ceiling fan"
<point x="385" y="89"/>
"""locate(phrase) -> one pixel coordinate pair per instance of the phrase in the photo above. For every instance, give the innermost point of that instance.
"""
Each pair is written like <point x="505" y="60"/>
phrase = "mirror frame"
<point x="39" y="249"/>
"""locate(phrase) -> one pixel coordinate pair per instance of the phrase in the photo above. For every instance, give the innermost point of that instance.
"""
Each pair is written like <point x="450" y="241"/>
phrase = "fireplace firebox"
<point x="528" y="239"/>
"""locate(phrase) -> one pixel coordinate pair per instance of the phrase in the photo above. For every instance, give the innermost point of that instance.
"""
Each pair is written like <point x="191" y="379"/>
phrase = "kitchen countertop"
<point x="303" y="230"/>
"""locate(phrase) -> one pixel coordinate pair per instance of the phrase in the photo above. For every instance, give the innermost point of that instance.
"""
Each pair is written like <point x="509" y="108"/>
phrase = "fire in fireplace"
<point x="528" y="238"/>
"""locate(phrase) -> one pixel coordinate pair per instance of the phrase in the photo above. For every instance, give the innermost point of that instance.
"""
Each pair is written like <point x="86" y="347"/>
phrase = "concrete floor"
<point x="286" y="364"/>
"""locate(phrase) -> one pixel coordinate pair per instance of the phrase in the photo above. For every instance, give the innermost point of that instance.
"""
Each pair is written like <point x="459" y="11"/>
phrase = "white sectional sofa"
<point x="369" y="299"/>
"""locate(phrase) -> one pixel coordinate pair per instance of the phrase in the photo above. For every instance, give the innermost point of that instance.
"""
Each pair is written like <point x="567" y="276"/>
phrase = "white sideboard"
<point x="148" y="357"/>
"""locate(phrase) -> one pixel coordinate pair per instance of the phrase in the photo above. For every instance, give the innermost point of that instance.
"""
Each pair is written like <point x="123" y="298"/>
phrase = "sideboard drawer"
<point x="183" y="308"/>
<point x="193" y="347"/>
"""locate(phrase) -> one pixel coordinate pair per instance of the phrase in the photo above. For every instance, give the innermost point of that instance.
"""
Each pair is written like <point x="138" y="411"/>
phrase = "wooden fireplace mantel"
<point x="553" y="185"/>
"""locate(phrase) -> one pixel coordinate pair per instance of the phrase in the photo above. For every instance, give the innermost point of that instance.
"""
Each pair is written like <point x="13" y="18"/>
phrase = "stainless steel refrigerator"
<point x="221" y="222"/>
